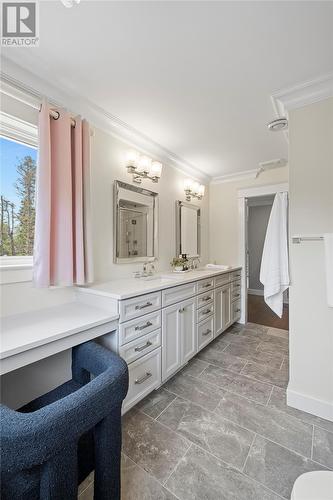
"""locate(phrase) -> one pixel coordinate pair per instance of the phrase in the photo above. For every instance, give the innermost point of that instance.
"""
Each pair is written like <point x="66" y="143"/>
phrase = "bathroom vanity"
<point x="165" y="320"/>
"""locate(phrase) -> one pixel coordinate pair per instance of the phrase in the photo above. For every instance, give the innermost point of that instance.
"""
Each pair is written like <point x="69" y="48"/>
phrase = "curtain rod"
<point x="22" y="96"/>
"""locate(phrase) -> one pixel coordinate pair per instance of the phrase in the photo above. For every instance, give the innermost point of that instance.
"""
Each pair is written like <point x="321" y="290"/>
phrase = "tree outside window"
<point x="17" y="206"/>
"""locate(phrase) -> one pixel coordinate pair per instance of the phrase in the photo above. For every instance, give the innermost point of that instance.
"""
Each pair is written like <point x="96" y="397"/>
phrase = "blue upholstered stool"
<point x="50" y="445"/>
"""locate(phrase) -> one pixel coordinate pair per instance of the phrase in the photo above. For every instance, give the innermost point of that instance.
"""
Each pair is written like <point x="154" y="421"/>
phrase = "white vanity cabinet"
<point x="161" y="329"/>
<point x="179" y="336"/>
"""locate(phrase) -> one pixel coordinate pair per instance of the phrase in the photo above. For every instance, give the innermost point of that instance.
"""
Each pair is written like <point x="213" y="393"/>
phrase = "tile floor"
<point x="220" y="429"/>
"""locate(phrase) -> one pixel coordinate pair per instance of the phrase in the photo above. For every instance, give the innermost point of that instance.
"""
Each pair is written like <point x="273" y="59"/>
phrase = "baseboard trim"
<point x="318" y="407"/>
<point x="253" y="291"/>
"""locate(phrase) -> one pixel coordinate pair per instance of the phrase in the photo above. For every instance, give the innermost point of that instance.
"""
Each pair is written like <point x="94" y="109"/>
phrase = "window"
<point x="18" y="158"/>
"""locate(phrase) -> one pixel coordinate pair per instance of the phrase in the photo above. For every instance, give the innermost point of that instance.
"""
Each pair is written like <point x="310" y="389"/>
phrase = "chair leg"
<point x="59" y="476"/>
<point x="108" y="457"/>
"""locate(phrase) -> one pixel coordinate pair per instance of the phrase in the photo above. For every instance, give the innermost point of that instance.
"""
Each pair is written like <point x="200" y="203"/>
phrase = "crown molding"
<point x="303" y="94"/>
<point x="238" y="176"/>
<point x="28" y="82"/>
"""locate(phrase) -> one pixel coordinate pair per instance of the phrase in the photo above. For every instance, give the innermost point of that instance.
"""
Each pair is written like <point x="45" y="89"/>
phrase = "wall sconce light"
<point x="193" y="190"/>
<point x="143" y="167"/>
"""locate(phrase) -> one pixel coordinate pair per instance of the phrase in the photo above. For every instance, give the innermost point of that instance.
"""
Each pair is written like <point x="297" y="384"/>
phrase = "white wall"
<point x="257" y="226"/>
<point x="224" y="216"/>
<point x="311" y="212"/>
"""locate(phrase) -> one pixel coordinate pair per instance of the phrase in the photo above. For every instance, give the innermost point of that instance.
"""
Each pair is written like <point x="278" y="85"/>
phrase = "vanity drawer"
<point x="222" y="279"/>
<point x="144" y="377"/>
<point x="138" y="327"/>
<point x="236" y="275"/>
<point x="132" y="308"/>
<point x="204" y="285"/>
<point x="235" y="290"/>
<point x="205" y="332"/>
<point x="205" y="299"/>
<point x="236" y="310"/>
<point x="139" y="347"/>
<point x="205" y="312"/>
<point x="178" y="293"/>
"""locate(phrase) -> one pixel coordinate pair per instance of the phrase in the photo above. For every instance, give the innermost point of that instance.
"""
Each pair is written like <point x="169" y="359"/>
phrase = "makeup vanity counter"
<point x="164" y="320"/>
<point x="29" y="337"/>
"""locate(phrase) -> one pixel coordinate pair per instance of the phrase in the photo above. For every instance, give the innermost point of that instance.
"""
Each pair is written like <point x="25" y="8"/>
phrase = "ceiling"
<point x="196" y="77"/>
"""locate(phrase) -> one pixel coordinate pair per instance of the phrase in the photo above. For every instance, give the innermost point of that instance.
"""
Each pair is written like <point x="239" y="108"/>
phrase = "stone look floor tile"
<point x="84" y="485"/>
<point x="200" y="476"/>
<point x="275" y="466"/>
<point x="233" y="338"/>
<point x="217" y="358"/>
<point x="88" y="493"/>
<point x="194" y="367"/>
<point x="278" y="332"/>
<point x="155" y="402"/>
<point x="151" y="445"/>
<point x="195" y="390"/>
<point x="278" y="401"/>
<point x="268" y="422"/>
<point x="323" y="447"/>
<point x="266" y="373"/>
<point x="252" y="354"/>
<point x="273" y="349"/>
<point x="222" y="438"/>
<point x="239" y="384"/>
<point x="219" y="344"/>
<point x="136" y="484"/>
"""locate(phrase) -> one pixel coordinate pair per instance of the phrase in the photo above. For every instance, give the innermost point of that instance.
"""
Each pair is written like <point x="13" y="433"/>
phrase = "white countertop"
<point x="125" y="288"/>
<point x="22" y="332"/>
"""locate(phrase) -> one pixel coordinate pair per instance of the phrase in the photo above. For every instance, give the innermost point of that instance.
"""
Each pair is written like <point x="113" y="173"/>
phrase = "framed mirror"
<point x="187" y="229"/>
<point x="135" y="223"/>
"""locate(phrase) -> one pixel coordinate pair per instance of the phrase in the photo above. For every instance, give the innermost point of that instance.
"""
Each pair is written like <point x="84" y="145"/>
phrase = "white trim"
<point x="29" y="83"/>
<point x="303" y="94"/>
<point x="263" y="190"/>
<point x="15" y="269"/>
<point x="238" y="176"/>
<point x="314" y="406"/>
<point x="18" y="130"/>
<point x="253" y="291"/>
<point x="243" y="194"/>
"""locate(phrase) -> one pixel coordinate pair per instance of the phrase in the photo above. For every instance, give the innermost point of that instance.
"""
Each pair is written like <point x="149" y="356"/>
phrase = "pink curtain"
<point x="63" y="240"/>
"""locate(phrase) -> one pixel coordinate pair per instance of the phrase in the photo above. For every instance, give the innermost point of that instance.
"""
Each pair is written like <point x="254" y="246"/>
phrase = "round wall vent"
<point x="278" y="124"/>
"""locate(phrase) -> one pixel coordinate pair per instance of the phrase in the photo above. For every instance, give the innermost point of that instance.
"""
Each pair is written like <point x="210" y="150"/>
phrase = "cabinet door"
<point x="218" y="306"/>
<point x="226" y="307"/>
<point x="189" y="342"/>
<point x="171" y="340"/>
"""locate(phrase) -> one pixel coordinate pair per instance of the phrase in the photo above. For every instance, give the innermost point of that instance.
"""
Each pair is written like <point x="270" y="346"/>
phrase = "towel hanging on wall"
<point x="274" y="271"/>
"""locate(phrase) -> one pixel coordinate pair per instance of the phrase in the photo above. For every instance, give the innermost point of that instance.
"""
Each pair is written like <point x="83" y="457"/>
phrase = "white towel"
<point x="274" y="271"/>
<point x="328" y="245"/>
<point x="217" y="266"/>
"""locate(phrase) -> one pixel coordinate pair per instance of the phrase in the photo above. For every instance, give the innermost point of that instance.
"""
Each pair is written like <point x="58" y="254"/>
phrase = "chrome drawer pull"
<point x="237" y="310"/>
<point x="207" y="332"/>
<point x="205" y="299"/>
<point x="143" y="347"/>
<point x="143" y="379"/>
<point x="144" y="305"/>
<point x="207" y="311"/>
<point x="142" y="327"/>
<point x="237" y="295"/>
<point x="207" y="285"/>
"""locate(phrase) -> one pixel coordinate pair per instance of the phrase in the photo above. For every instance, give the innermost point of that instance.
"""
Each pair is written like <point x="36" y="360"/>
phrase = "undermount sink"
<point x="159" y="279"/>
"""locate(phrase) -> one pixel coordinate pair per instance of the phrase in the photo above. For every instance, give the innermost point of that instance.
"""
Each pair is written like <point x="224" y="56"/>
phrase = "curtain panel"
<point x="63" y="239"/>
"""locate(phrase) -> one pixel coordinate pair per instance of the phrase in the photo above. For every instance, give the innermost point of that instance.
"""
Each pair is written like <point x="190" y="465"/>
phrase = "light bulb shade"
<point x="131" y="159"/>
<point x="144" y="164"/>
<point x="156" y="169"/>
<point x="195" y="188"/>
<point x="188" y="183"/>
<point x="201" y="190"/>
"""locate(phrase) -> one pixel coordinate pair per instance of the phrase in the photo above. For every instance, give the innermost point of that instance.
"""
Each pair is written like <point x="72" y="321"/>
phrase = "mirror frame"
<point x="179" y="205"/>
<point x="136" y="189"/>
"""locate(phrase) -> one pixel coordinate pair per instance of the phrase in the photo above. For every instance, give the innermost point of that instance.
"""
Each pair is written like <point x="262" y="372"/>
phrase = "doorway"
<point x="258" y="213"/>
<point x="253" y="302"/>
